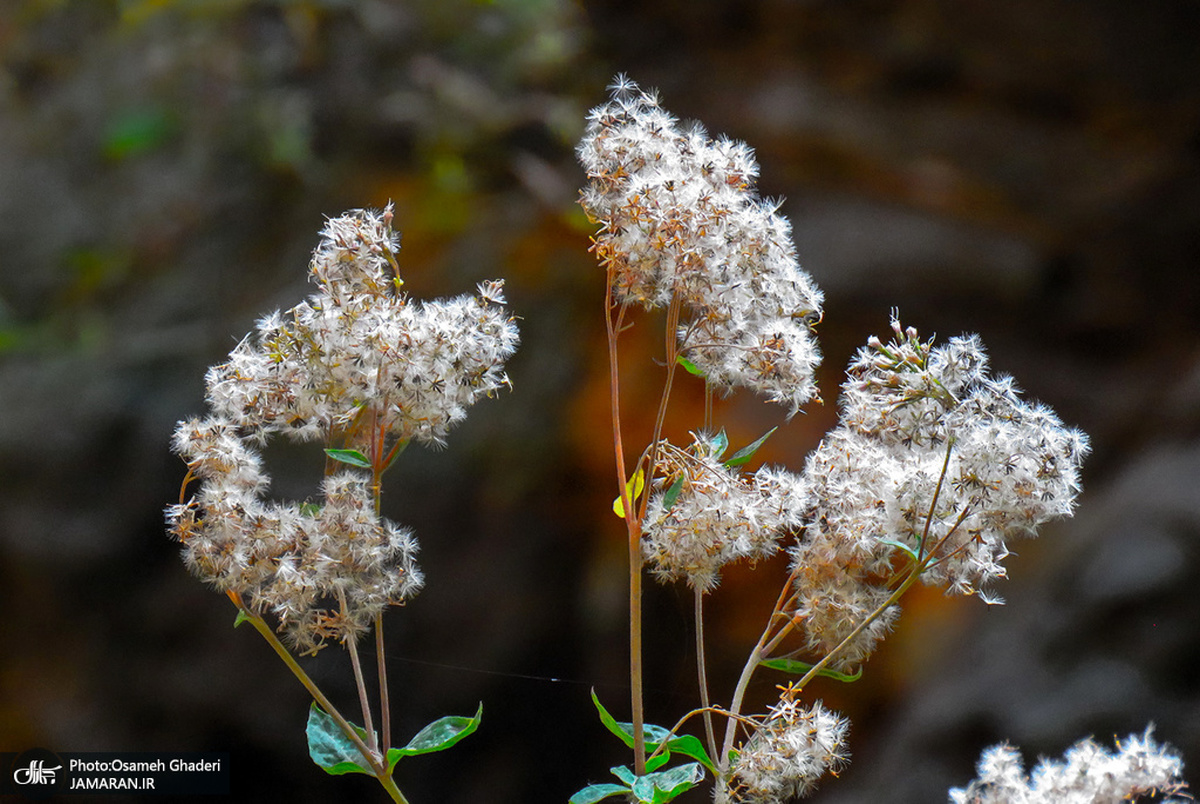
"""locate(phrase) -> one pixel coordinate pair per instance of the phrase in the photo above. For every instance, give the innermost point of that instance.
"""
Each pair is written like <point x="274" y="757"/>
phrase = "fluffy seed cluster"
<point x="931" y="458"/>
<point x="357" y="364"/>
<point x="706" y="514"/>
<point x="679" y="219"/>
<point x="359" y="348"/>
<point x="785" y="758"/>
<point x="1087" y="774"/>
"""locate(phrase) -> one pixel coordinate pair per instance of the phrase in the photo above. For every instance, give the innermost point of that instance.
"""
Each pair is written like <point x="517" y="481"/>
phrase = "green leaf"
<point x="744" y="454"/>
<point x="689" y="746"/>
<point x="684" y="744"/>
<point x="330" y="748"/>
<point x="350" y="456"/>
<point x="610" y="722"/>
<point x="689" y="366"/>
<point x="718" y="444"/>
<point x="597" y="792"/>
<point x="902" y="547"/>
<point x="799" y="668"/>
<point x="623" y="773"/>
<point x="672" y="495"/>
<point x="671" y="783"/>
<point x="656" y="762"/>
<point x="437" y="736"/>
<point x="634" y="488"/>
<point x="398" y="450"/>
<point x="242" y="617"/>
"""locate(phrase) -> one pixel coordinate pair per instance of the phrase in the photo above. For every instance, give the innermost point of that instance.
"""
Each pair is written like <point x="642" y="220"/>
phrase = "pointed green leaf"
<point x="396" y="452"/>
<point x="350" y="456"/>
<point x="798" y="668"/>
<point x="330" y="748"/>
<point x="634" y="488"/>
<point x="719" y="444"/>
<point x="671" y="783"/>
<point x="623" y="773"/>
<point x="242" y="617"/>
<point x="610" y="722"/>
<point x="689" y="366"/>
<point x="672" y="495"/>
<point x="656" y="762"/>
<point x="902" y="547"/>
<point x="597" y="792"/>
<point x="744" y="454"/>
<point x="643" y="788"/>
<point x="437" y="736"/>
<point x="690" y="746"/>
<point x="684" y="744"/>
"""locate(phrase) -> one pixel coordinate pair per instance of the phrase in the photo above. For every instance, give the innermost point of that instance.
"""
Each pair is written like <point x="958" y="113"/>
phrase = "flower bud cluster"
<point x="1087" y="774"/>
<point x="355" y="363"/>
<point x="932" y="460"/>
<point x="706" y="514"/>
<point x="680" y="220"/>
<point x="785" y="758"/>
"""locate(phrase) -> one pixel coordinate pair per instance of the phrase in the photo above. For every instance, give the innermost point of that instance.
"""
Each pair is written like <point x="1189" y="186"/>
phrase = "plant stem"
<point x="381" y="667"/>
<point x="702" y="673"/>
<point x="633" y="526"/>
<point x="378" y="768"/>
<point x="351" y="644"/>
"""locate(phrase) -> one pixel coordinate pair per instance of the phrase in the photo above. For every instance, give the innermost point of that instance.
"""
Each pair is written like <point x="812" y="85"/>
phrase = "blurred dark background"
<point x="1028" y="170"/>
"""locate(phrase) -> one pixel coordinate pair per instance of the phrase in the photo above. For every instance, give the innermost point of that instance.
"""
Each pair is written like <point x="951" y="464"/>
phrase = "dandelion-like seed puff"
<point x="679" y="218"/>
<point x="356" y="363"/>
<point x="932" y="456"/>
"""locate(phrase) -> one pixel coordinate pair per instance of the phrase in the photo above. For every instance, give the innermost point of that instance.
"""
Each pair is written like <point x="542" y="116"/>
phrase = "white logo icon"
<point x="36" y="773"/>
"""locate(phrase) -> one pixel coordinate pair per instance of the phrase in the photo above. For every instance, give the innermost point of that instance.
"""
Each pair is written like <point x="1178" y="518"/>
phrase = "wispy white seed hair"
<point x="1087" y="774"/>
<point x="930" y="454"/>
<point x="679" y="218"/>
<point x="788" y="754"/>
<point x="357" y="360"/>
<point x="706" y="515"/>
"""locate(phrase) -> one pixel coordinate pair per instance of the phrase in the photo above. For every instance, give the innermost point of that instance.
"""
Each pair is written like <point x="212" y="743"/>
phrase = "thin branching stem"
<point x="765" y="643"/>
<point x="633" y="526"/>
<point x="351" y="643"/>
<point x="702" y="671"/>
<point x="377" y="767"/>
<point x="385" y="713"/>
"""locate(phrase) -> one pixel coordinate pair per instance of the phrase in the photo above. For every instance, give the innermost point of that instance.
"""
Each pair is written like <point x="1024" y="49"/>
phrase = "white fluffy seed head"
<point x="788" y="754"/>
<point x="679" y="218"/>
<point x="931" y="456"/>
<point x="1088" y="773"/>
<point x="356" y="351"/>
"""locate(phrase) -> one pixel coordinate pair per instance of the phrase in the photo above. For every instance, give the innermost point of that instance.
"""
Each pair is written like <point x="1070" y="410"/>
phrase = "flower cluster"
<point x="1087" y="774"/>
<point x="932" y="461"/>
<point x="707" y="515"/>
<point x="680" y="221"/>
<point x="356" y="364"/>
<point x="784" y="759"/>
<point x="360" y="350"/>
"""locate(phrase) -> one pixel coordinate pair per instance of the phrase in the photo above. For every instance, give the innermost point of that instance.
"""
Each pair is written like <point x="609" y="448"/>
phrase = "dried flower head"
<point x="1087" y="774"/>
<point x="785" y="758"/>
<point x="932" y="458"/>
<point x="355" y="364"/>
<point x="706" y="514"/>
<point x="679" y="219"/>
